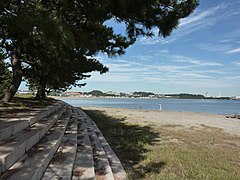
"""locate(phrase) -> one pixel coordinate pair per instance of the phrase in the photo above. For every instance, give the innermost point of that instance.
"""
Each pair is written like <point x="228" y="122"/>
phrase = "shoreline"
<point x="189" y="120"/>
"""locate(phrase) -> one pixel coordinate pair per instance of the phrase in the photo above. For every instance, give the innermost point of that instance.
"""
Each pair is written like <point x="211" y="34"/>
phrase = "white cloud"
<point x="112" y="77"/>
<point x="142" y="57"/>
<point x="130" y="62"/>
<point x="224" y="41"/>
<point x="233" y="51"/>
<point x="237" y="63"/>
<point x="158" y="52"/>
<point x="189" y="75"/>
<point x="184" y="59"/>
<point x="221" y="48"/>
<point x="202" y="82"/>
<point x="212" y="84"/>
<point x="233" y="34"/>
<point x="196" y="21"/>
<point x="215" y="47"/>
<point x="155" y="71"/>
<point x="233" y="78"/>
<point x="196" y="18"/>
<point x="169" y="69"/>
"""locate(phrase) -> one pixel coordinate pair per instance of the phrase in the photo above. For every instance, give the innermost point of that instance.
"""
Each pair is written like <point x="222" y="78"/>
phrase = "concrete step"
<point x="66" y="144"/>
<point x="101" y="164"/>
<point x="11" y="126"/>
<point x="33" y="164"/>
<point x="84" y="164"/>
<point x="115" y="164"/>
<point x="61" y="166"/>
<point x="12" y="148"/>
<point x="44" y="112"/>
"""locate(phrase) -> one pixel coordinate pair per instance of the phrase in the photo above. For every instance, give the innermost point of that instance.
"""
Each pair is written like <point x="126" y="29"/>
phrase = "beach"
<point x="187" y="120"/>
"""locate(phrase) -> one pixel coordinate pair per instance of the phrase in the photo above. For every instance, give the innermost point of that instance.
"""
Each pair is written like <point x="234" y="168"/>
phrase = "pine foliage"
<point x="57" y="40"/>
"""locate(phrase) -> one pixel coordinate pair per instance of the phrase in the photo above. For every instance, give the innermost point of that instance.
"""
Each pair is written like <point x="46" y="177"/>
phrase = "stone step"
<point x="44" y="112"/>
<point x="115" y="164"/>
<point x="64" y="145"/>
<point x="33" y="164"/>
<point x="61" y="166"/>
<point x="12" y="148"/>
<point x="11" y="126"/>
<point x="84" y="164"/>
<point x="101" y="164"/>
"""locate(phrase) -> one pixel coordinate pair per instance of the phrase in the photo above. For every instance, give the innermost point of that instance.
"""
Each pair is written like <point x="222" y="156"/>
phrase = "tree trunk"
<point x="41" y="92"/>
<point x="16" y="79"/>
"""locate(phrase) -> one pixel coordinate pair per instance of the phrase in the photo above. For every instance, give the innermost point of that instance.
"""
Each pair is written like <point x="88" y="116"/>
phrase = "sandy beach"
<point x="181" y="119"/>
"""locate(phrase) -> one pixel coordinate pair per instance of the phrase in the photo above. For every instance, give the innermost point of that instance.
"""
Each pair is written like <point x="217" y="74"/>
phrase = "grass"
<point x="170" y="152"/>
<point x="21" y="104"/>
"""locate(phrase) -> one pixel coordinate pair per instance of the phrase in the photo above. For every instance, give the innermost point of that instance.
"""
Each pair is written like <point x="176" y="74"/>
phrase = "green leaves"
<point x="58" y="40"/>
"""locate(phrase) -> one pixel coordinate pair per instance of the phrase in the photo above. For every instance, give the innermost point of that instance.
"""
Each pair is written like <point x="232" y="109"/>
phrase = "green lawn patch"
<point x="22" y="104"/>
<point x="169" y="152"/>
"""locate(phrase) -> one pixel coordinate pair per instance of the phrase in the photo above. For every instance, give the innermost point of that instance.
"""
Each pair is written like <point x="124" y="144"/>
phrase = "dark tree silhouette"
<point x="52" y="43"/>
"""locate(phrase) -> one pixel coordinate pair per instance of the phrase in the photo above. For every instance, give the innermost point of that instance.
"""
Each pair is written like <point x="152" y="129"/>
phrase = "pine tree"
<point x="53" y="43"/>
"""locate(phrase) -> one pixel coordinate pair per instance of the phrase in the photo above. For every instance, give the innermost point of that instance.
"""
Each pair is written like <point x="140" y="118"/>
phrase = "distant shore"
<point x="107" y="97"/>
<point x="181" y="119"/>
<point x="95" y="97"/>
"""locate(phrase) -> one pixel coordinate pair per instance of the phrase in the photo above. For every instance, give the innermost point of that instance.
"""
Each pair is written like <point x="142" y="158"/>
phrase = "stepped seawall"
<point x="56" y="142"/>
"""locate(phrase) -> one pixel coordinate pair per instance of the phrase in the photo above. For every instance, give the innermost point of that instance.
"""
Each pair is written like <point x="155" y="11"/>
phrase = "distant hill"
<point x="185" y="96"/>
<point x="142" y="94"/>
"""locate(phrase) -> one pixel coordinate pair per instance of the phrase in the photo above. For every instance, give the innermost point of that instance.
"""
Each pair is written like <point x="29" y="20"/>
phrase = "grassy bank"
<point x="22" y="104"/>
<point x="170" y="152"/>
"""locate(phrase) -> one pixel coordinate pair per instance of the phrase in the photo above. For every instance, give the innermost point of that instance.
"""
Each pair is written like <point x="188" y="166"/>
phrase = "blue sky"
<point x="201" y="56"/>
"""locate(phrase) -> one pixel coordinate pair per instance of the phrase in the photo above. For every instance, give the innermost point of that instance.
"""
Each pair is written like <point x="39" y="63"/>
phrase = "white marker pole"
<point x="160" y="107"/>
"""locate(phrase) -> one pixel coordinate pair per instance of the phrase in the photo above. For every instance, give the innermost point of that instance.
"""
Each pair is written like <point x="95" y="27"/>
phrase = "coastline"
<point x="186" y="120"/>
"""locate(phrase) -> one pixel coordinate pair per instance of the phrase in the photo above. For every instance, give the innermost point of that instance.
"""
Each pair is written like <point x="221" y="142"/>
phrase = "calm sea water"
<point x="190" y="105"/>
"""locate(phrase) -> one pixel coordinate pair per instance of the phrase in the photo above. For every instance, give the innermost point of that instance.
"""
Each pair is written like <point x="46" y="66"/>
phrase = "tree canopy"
<point x="53" y="43"/>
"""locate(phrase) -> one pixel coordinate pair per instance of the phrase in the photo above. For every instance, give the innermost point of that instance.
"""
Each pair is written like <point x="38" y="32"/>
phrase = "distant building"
<point x="152" y="96"/>
<point x="72" y="94"/>
<point x="235" y="97"/>
<point x="24" y="92"/>
<point x="206" y="94"/>
<point x="113" y="93"/>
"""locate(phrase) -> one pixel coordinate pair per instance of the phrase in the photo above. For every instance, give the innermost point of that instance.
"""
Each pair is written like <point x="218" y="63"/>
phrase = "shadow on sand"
<point x="128" y="142"/>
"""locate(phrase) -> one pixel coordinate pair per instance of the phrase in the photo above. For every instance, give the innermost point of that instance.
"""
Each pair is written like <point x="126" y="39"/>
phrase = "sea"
<point x="213" y="106"/>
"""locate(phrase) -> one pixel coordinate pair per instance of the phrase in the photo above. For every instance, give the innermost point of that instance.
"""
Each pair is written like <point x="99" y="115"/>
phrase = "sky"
<point x="201" y="55"/>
